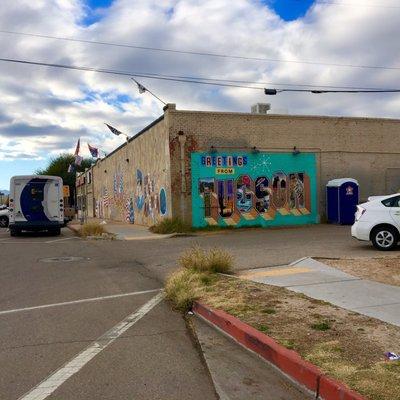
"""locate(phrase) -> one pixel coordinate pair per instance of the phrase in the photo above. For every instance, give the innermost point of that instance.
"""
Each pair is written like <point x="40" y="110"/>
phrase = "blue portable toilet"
<point x="341" y="200"/>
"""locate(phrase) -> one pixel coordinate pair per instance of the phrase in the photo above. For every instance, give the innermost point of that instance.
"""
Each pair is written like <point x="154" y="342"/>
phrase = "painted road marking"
<point x="23" y="241"/>
<point x="61" y="240"/>
<point x="66" y="303"/>
<point x="56" y="379"/>
<point x="276" y="272"/>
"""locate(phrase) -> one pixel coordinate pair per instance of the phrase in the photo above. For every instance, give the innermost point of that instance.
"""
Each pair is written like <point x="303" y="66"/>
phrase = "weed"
<point x="171" y="225"/>
<point x="183" y="288"/>
<point x="214" y="260"/>
<point x="288" y="343"/>
<point x="263" y="328"/>
<point x="269" y="311"/>
<point x="92" y="229"/>
<point x="321" y="326"/>
<point x="219" y="261"/>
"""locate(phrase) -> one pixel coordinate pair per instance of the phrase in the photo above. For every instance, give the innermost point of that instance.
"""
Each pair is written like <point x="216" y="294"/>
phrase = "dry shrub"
<point x="183" y="287"/>
<point x="200" y="260"/>
<point x="92" y="229"/>
<point x="171" y="225"/>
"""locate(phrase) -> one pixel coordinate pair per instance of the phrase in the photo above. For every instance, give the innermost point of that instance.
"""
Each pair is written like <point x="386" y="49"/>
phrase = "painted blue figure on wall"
<point x="139" y="190"/>
<point x="163" y="202"/>
<point x="244" y="195"/>
<point x="131" y="212"/>
<point x="262" y="194"/>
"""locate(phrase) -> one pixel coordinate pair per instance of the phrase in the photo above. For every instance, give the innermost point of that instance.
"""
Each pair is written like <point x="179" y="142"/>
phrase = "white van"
<point x="36" y="204"/>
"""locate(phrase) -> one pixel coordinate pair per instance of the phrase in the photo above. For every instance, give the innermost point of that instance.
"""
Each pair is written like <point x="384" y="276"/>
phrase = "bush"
<point x="92" y="229"/>
<point x="214" y="260"/>
<point x="183" y="288"/>
<point x="171" y="225"/>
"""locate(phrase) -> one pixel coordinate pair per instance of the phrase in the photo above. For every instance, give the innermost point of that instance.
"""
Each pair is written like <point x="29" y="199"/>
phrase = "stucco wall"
<point x="366" y="149"/>
<point x="132" y="184"/>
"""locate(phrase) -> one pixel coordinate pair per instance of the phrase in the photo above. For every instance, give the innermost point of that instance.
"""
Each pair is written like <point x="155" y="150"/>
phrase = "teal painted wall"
<point x="253" y="189"/>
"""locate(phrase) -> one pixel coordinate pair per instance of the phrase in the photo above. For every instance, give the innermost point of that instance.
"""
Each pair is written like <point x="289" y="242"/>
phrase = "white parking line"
<point x="61" y="240"/>
<point x="66" y="303"/>
<point x="55" y="380"/>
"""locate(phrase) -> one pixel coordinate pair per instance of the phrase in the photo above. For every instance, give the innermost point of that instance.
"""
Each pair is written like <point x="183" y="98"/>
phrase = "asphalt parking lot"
<point x="112" y="336"/>
<point x="81" y="319"/>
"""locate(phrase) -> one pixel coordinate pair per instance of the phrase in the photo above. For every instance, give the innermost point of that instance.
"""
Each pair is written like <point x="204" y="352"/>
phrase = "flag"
<point x="78" y="160"/>
<point x="78" y="146"/>
<point x="142" y="89"/>
<point x="93" y="151"/>
<point x="114" y="131"/>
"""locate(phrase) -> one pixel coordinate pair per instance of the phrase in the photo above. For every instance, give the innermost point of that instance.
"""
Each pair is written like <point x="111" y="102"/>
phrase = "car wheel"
<point x="385" y="238"/>
<point x="3" y="222"/>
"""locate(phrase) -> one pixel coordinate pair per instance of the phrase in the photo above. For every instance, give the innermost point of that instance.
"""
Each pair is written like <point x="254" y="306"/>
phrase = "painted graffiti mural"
<point x="253" y="189"/>
<point x="143" y="204"/>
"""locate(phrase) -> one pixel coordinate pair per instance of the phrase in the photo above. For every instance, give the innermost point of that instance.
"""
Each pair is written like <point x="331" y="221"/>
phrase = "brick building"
<point x="242" y="169"/>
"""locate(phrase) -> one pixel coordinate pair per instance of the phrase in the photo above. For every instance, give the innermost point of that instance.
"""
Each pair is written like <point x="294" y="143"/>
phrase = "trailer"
<point x="36" y="204"/>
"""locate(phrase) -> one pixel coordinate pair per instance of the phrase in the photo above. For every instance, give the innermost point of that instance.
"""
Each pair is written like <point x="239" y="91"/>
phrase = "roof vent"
<point x="260" y="108"/>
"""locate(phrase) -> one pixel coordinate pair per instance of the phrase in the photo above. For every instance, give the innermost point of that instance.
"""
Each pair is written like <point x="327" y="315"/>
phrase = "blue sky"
<point x="287" y="9"/>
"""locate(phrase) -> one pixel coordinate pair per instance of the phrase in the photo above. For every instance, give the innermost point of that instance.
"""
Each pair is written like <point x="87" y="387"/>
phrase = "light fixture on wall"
<point x="213" y="149"/>
<point x="295" y="151"/>
<point x="254" y="150"/>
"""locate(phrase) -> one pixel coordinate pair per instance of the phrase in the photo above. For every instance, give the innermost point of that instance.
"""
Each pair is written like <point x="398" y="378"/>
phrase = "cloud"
<point x="45" y="110"/>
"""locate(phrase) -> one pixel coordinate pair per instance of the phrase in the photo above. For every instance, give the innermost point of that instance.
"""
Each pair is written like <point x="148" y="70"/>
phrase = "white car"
<point x="4" y="217"/>
<point x="378" y="221"/>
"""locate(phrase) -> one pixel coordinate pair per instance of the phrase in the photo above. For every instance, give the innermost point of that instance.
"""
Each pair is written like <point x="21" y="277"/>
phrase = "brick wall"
<point x="132" y="184"/>
<point x="366" y="149"/>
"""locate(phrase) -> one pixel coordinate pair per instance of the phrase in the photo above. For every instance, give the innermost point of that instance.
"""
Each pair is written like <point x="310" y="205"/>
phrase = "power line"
<point x="336" y="3"/>
<point x="273" y="92"/>
<point x="202" y="81"/>
<point x="198" y="53"/>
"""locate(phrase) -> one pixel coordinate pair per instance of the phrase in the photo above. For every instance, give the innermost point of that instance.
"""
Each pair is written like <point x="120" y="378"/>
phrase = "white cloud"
<point x="45" y="110"/>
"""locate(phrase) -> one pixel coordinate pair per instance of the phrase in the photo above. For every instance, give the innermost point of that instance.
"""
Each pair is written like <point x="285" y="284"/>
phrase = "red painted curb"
<point x="288" y="361"/>
<point x="331" y="389"/>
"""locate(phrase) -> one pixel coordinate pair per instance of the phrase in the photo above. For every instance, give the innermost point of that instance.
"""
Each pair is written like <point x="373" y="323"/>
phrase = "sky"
<point x="44" y="110"/>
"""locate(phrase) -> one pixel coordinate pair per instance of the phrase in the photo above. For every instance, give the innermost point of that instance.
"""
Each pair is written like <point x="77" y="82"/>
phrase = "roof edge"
<point x="140" y="133"/>
<point x="278" y="116"/>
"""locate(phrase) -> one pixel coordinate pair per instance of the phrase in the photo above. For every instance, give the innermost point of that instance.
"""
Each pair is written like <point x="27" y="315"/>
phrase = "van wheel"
<point x="56" y="231"/>
<point x="3" y="222"/>
<point x="14" y="232"/>
<point x="385" y="238"/>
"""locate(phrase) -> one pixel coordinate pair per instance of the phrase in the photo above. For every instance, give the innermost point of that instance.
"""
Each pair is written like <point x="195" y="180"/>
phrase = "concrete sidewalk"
<point x="123" y="231"/>
<point x="319" y="281"/>
<point x="240" y="374"/>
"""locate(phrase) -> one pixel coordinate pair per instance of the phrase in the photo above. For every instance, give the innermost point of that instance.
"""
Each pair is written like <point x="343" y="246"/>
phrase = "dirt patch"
<point x="347" y="346"/>
<point x="384" y="270"/>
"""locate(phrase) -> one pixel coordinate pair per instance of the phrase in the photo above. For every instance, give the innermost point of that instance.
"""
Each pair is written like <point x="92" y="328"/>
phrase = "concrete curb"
<point x="288" y="361"/>
<point x="74" y="228"/>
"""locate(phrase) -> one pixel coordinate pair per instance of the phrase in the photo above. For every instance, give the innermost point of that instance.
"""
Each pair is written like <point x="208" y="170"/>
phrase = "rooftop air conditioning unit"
<point x="260" y="108"/>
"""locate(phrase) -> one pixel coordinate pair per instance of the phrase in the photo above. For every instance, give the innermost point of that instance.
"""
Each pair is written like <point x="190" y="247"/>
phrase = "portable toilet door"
<point x="342" y="200"/>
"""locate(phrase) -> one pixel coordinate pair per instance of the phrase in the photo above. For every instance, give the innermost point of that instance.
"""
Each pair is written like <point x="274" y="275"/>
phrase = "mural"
<point x="253" y="189"/>
<point x="144" y="204"/>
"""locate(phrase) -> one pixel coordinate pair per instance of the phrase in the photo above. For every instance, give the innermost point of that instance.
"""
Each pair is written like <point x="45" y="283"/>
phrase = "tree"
<point x="58" y="166"/>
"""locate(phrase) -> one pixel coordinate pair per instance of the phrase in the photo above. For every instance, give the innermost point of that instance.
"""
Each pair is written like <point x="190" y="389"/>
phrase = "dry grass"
<point x="171" y="225"/>
<point x="185" y="286"/>
<point x="345" y="345"/>
<point x="200" y="260"/>
<point x="384" y="270"/>
<point x="92" y="229"/>
<point x="199" y="268"/>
